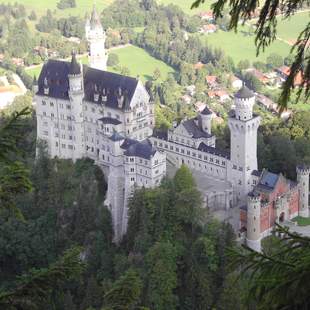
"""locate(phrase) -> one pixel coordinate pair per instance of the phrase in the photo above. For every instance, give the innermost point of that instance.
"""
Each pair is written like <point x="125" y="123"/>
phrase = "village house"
<point x="207" y="29"/>
<point x="212" y="81"/>
<point x="206" y="16"/>
<point x="284" y="72"/>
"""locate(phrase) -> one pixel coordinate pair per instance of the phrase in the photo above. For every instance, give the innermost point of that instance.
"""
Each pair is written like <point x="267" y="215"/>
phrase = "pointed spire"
<point x="94" y="19"/>
<point x="74" y="66"/>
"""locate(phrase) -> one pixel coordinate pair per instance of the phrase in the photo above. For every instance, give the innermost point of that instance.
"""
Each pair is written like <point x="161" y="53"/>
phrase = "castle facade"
<point x="86" y="111"/>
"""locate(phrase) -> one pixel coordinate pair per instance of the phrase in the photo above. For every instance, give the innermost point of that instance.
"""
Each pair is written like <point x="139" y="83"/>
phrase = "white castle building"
<point x="84" y="111"/>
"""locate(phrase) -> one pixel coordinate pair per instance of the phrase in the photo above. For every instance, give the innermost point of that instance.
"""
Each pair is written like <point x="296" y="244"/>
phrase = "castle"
<point x="85" y="111"/>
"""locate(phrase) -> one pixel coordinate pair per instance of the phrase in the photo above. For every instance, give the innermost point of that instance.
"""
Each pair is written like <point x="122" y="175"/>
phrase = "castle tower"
<point x="115" y="199"/>
<point x="253" y="237"/>
<point x="76" y="95"/>
<point x="205" y="117"/>
<point x="243" y="125"/>
<point x="303" y="186"/>
<point x="95" y="36"/>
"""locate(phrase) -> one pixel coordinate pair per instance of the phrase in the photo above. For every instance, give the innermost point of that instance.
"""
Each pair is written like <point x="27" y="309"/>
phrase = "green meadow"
<point x="138" y="61"/>
<point x="289" y="29"/>
<point x="185" y="5"/>
<point x="241" y="45"/>
<point x="40" y="6"/>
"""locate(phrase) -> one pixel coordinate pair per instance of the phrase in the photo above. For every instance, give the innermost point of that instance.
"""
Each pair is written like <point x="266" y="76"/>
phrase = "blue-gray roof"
<point x="107" y="84"/>
<point x="141" y="149"/>
<point x="206" y="111"/>
<point x="116" y="136"/>
<point x="244" y="93"/>
<point x="193" y="129"/>
<point x="212" y="150"/>
<point x="269" y="180"/>
<point x="110" y="120"/>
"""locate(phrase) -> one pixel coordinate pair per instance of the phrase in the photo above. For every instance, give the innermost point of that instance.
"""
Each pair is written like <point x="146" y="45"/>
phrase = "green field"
<point x="138" y="61"/>
<point x="241" y="45"/>
<point x="289" y="29"/>
<point x="302" y="221"/>
<point x="40" y="7"/>
<point x="185" y="5"/>
<point x="141" y="63"/>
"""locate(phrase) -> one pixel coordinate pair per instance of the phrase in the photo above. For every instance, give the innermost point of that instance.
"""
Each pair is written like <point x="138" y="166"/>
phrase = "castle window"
<point x="254" y="229"/>
<point x="70" y="147"/>
<point x="217" y="161"/>
<point x="240" y="169"/>
<point x="103" y="157"/>
<point x="132" y="179"/>
<point x="131" y="159"/>
<point x="199" y="156"/>
<point x="70" y="137"/>
<point x="132" y="170"/>
<point x="52" y="115"/>
<point x="171" y="147"/>
<point x="188" y="152"/>
<point x="254" y="218"/>
<point x="205" y="158"/>
<point x="44" y="113"/>
<point x="240" y="183"/>
<point x="56" y="143"/>
<point x="68" y="106"/>
<point x="56" y="135"/>
<point x="43" y="102"/>
<point x="211" y="159"/>
<point x="63" y="146"/>
<point x="182" y="151"/>
<point x="223" y="163"/>
<point x="177" y="149"/>
<point x="234" y="167"/>
<point x="51" y="104"/>
<point x="127" y="120"/>
<point x="194" y="154"/>
<point x="156" y="162"/>
<point x="166" y="146"/>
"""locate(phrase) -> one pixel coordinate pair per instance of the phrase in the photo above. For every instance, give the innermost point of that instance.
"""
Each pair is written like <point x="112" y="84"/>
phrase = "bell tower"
<point x="95" y="36"/>
<point x="243" y="125"/>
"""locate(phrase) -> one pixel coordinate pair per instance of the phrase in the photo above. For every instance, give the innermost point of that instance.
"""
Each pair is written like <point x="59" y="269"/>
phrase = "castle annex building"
<point x="85" y="111"/>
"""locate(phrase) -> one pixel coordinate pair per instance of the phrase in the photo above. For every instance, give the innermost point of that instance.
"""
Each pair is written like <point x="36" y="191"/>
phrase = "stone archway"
<point x="282" y="217"/>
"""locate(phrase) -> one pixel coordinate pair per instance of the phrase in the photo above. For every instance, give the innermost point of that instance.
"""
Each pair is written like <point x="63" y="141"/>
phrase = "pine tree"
<point x="68" y="302"/>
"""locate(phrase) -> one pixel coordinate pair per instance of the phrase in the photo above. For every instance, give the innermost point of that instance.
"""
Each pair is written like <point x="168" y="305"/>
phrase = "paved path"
<point x="303" y="230"/>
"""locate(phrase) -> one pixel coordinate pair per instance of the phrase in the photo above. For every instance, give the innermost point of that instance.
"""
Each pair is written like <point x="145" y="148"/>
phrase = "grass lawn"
<point x="141" y="63"/>
<point x="137" y="60"/>
<point x="241" y="45"/>
<point x="40" y="7"/>
<point x="302" y="221"/>
<point x="185" y="5"/>
<point x="289" y="29"/>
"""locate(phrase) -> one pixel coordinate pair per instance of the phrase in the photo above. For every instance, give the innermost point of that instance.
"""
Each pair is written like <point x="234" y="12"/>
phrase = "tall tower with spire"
<point x="95" y="36"/>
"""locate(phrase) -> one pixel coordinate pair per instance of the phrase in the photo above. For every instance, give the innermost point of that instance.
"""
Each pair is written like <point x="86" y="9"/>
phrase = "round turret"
<point x="75" y="76"/>
<point x="244" y="102"/>
<point x="75" y="67"/>
<point x="303" y="187"/>
<point x="253" y="221"/>
<point x="205" y="118"/>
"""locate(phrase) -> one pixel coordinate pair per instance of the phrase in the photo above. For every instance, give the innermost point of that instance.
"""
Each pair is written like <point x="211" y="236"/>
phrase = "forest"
<point x="57" y="234"/>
